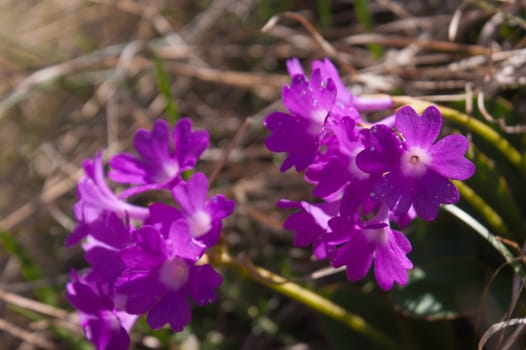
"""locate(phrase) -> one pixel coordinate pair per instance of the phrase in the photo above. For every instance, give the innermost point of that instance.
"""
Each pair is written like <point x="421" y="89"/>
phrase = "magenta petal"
<point x="188" y="145"/>
<point x="448" y="158"/>
<point x="105" y="262"/>
<point x="150" y="250"/>
<point x="220" y="207"/>
<point x="395" y="191"/>
<point x="182" y="243"/>
<point x="419" y="130"/>
<point x="139" y="289"/>
<point x="383" y="151"/>
<point x="126" y="168"/>
<point x="390" y="263"/>
<point x="294" y="67"/>
<point x="192" y="195"/>
<point x="155" y="144"/>
<point x="162" y="216"/>
<point x="402" y="242"/>
<point x="294" y="135"/>
<point x="105" y="331"/>
<point x="356" y="255"/>
<point x="82" y="297"/>
<point x="204" y="281"/>
<point x="323" y="94"/>
<point x="329" y="71"/>
<point x="433" y="191"/>
<point x="305" y="228"/>
<point x="332" y="176"/>
<point x="298" y="97"/>
<point x="111" y="230"/>
<point x="173" y="309"/>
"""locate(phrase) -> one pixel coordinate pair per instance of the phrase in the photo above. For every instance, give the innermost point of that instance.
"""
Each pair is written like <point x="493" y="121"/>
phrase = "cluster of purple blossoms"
<point x="367" y="176"/>
<point x="145" y="259"/>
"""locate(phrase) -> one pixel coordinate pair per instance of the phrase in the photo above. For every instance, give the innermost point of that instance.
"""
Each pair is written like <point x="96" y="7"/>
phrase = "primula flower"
<point x="346" y="103"/>
<point x="108" y="236"/>
<point x="415" y="171"/>
<point x="310" y="223"/>
<point x="159" y="278"/>
<point x="145" y="260"/>
<point x="333" y="169"/>
<point x="104" y="326"/>
<point x="162" y="156"/>
<point x="202" y="216"/>
<point x="355" y="245"/>
<point x="297" y="133"/>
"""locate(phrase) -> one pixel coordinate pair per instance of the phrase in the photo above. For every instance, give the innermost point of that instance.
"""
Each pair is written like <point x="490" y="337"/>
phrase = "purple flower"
<point x="297" y="133"/>
<point x="202" y="216"/>
<point x="162" y="157"/>
<point x="95" y="197"/>
<point x="310" y="223"/>
<point x="415" y="171"/>
<point x="333" y="169"/>
<point x="159" y="278"/>
<point x="346" y="103"/>
<point x="104" y="326"/>
<point x="356" y="244"/>
<point x="108" y="236"/>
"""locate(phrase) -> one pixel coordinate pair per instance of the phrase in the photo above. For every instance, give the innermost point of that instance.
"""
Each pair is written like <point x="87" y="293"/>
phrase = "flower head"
<point x="160" y="277"/>
<point x="162" y="156"/>
<point x="145" y="260"/>
<point x="415" y="170"/>
<point x="202" y="216"/>
<point x="355" y="245"/>
<point x="104" y="326"/>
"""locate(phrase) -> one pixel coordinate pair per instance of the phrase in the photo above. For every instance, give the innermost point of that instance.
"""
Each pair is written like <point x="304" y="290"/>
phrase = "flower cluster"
<point x="367" y="176"/>
<point x="145" y="260"/>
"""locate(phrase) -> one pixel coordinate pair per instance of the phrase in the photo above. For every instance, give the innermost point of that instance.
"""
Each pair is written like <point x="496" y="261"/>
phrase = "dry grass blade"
<point x="28" y="337"/>
<point x="324" y="44"/>
<point x="497" y="327"/>
<point x="33" y="305"/>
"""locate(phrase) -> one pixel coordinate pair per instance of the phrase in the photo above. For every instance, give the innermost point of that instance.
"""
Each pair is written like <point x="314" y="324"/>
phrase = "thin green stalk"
<point x="500" y="143"/>
<point x="492" y="239"/>
<point x="308" y="298"/>
<point x="477" y="202"/>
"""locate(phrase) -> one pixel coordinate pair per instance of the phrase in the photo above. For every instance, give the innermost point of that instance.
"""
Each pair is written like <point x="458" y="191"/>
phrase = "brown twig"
<point x="318" y="38"/>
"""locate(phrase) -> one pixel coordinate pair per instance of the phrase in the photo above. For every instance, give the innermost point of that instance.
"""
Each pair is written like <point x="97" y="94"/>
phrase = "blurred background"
<point x="78" y="76"/>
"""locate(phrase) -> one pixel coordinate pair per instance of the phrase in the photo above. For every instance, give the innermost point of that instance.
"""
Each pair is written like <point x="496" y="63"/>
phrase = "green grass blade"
<point x="163" y="82"/>
<point x="29" y="269"/>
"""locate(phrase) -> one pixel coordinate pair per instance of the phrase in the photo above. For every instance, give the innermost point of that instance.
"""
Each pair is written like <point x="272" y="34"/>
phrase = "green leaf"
<point x="447" y="289"/>
<point x="490" y="184"/>
<point x="375" y="309"/>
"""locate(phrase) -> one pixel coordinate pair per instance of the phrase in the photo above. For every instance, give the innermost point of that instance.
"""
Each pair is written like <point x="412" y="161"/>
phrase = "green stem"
<point x="508" y="256"/>
<point x="477" y="202"/>
<point x="500" y="143"/>
<point x="308" y="298"/>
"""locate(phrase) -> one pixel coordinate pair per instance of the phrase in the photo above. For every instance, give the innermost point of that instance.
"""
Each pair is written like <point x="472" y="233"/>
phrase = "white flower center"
<point x="414" y="161"/>
<point x="353" y="168"/>
<point x="199" y="223"/>
<point x="174" y="273"/>
<point x="319" y="116"/>
<point x="377" y="235"/>
<point x="168" y="170"/>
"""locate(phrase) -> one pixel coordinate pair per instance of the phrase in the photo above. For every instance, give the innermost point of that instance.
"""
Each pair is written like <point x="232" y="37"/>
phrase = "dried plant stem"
<point x="308" y="298"/>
